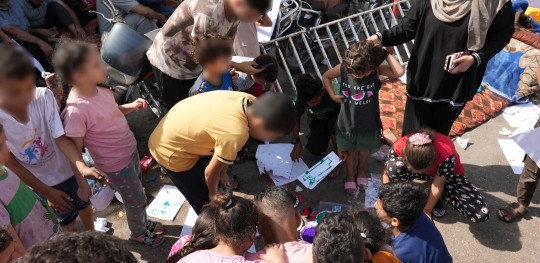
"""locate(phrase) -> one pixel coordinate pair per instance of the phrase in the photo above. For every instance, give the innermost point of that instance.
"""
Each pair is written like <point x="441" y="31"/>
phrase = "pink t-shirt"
<point x="104" y="128"/>
<point x="208" y="256"/>
<point x="295" y="252"/>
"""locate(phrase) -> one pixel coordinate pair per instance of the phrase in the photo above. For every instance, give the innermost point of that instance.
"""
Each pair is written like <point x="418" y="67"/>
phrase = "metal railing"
<point x="323" y="46"/>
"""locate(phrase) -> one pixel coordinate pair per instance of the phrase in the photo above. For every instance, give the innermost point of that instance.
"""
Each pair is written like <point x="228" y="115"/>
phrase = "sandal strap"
<point x="151" y="225"/>
<point x="350" y="185"/>
<point x="516" y="207"/>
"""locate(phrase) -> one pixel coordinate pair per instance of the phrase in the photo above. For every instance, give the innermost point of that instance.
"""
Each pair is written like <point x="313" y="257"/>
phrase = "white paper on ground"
<point x="101" y="225"/>
<point x="103" y="198"/>
<point x="529" y="142"/>
<point x="513" y="153"/>
<point x="505" y="132"/>
<point x="522" y="115"/>
<point x="276" y="158"/>
<point x="463" y="143"/>
<point x="319" y="171"/>
<point x="189" y="222"/>
<point x="372" y="190"/>
<point x="265" y="33"/>
<point x="298" y="169"/>
<point x="240" y="59"/>
<point x="166" y="204"/>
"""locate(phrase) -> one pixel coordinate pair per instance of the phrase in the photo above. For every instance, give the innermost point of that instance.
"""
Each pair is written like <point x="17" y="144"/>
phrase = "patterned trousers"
<point x="458" y="191"/>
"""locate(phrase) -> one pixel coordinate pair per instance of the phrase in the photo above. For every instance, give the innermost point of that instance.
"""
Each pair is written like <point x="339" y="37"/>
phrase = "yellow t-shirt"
<point x="211" y="123"/>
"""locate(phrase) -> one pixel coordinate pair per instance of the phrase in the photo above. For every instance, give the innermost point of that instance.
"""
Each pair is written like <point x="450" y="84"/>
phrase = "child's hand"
<point x="92" y="173"/>
<point x="343" y="155"/>
<point x="337" y="98"/>
<point x="139" y="104"/>
<point x="274" y="253"/>
<point x="234" y="75"/>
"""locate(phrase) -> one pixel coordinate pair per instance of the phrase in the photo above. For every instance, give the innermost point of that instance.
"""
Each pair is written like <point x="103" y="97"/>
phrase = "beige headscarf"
<point x="482" y="14"/>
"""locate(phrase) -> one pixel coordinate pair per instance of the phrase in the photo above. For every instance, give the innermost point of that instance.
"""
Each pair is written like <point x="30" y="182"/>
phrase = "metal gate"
<point x="321" y="47"/>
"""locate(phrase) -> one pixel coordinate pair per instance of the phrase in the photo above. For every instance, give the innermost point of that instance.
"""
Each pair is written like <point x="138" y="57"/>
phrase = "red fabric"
<point x="444" y="148"/>
<point x="256" y="90"/>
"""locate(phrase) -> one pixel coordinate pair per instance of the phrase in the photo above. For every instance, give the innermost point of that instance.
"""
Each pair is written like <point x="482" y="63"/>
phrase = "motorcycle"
<point x="123" y="50"/>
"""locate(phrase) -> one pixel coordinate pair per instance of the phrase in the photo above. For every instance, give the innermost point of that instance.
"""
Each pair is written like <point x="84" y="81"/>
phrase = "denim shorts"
<point x="70" y="187"/>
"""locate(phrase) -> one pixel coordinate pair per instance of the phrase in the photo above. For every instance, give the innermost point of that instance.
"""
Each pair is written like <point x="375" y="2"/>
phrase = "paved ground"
<point x="492" y="241"/>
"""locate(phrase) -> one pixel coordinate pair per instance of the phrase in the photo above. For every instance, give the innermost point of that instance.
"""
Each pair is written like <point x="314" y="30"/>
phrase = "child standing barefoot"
<point x="92" y="118"/>
<point x="359" y="124"/>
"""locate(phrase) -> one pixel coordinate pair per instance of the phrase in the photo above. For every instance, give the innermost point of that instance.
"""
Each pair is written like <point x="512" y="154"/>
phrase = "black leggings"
<point x="439" y="116"/>
<point x="57" y="16"/>
<point x="174" y="90"/>
<point x="192" y="184"/>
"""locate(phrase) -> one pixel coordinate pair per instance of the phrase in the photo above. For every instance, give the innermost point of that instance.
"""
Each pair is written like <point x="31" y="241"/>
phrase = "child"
<point x="42" y="156"/>
<point x="258" y="83"/>
<point x="9" y="249"/>
<point x="374" y="234"/>
<point x="322" y="111"/>
<point x="93" y="119"/>
<point x="27" y="217"/>
<point x="174" y="66"/>
<point x="430" y="156"/>
<point x="203" y="237"/>
<point x="235" y="222"/>
<point x="415" y="237"/>
<point x="337" y="240"/>
<point x="359" y="124"/>
<point x="89" y="246"/>
<point x="197" y="161"/>
<point x="278" y="223"/>
<point x="214" y="54"/>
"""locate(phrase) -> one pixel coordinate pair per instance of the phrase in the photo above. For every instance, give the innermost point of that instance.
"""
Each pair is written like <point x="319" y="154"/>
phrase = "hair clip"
<point x="229" y="203"/>
<point x="419" y="139"/>
<point x="363" y="235"/>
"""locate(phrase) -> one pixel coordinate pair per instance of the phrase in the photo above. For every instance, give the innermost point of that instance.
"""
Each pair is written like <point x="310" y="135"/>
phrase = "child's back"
<point x="104" y="128"/>
<point x="31" y="217"/>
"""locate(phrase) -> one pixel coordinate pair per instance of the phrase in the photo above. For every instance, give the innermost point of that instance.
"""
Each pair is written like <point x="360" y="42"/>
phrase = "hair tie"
<point x="363" y="235"/>
<point x="229" y="203"/>
<point x="419" y="139"/>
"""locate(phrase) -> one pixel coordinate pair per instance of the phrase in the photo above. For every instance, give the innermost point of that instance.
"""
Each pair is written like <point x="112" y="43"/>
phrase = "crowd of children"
<point x="44" y="178"/>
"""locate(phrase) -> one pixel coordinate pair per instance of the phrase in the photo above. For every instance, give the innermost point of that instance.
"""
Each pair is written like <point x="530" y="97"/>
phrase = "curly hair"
<point x="337" y="240"/>
<point x="420" y="157"/>
<point x="275" y="200"/>
<point x="236" y="219"/>
<point x="87" y="247"/>
<point x="307" y="87"/>
<point x="5" y="238"/>
<point x="270" y="73"/>
<point x="364" y="57"/>
<point x="402" y="200"/>
<point x="370" y="225"/>
<point x="210" y="47"/>
<point x="203" y="235"/>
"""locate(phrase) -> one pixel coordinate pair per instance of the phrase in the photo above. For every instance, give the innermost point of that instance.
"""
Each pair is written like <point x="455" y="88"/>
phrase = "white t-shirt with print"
<point x="33" y="144"/>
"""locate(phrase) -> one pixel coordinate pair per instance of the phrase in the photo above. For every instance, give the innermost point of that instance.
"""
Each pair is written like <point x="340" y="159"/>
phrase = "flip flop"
<point x="513" y="210"/>
<point x="438" y="209"/>
<point x="149" y="240"/>
<point x="350" y="186"/>
<point x="362" y="181"/>
<point x="151" y="227"/>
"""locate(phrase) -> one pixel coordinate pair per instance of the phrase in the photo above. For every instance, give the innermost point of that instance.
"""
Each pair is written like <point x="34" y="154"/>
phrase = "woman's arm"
<point x="499" y="35"/>
<point x="393" y="70"/>
<point x="327" y="80"/>
<point x="405" y="30"/>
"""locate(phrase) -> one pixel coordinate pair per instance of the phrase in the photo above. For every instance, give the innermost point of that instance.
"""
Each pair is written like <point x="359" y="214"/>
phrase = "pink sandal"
<point x="362" y="182"/>
<point x="350" y="186"/>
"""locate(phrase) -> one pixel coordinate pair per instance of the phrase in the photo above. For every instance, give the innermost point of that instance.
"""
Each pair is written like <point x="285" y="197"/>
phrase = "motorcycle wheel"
<point x="288" y="53"/>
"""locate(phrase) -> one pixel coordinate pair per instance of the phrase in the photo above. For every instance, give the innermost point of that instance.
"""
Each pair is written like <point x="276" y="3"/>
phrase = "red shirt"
<point x="444" y="148"/>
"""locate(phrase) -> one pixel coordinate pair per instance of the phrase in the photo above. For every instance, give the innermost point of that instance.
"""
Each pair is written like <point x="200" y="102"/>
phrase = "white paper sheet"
<point x="276" y="158"/>
<point x="103" y="198"/>
<point x="240" y="59"/>
<point x="319" y="171"/>
<point x="167" y="203"/>
<point x="372" y="190"/>
<point x="522" y="115"/>
<point x="513" y="153"/>
<point x="189" y="222"/>
<point x="298" y="169"/>
<point x="530" y="142"/>
<point x="265" y="33"/>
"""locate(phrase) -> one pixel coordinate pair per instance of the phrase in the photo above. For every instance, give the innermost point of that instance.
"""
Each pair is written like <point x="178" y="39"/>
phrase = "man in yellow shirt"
<point x="200" y="136"/>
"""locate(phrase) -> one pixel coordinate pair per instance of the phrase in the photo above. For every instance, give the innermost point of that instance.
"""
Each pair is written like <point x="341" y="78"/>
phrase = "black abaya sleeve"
<point x="406" y="28"/>
<point x="499" y="34"/>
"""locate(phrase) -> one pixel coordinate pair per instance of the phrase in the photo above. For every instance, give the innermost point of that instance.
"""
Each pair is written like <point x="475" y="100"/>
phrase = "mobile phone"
<point x="263" y="66"/>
